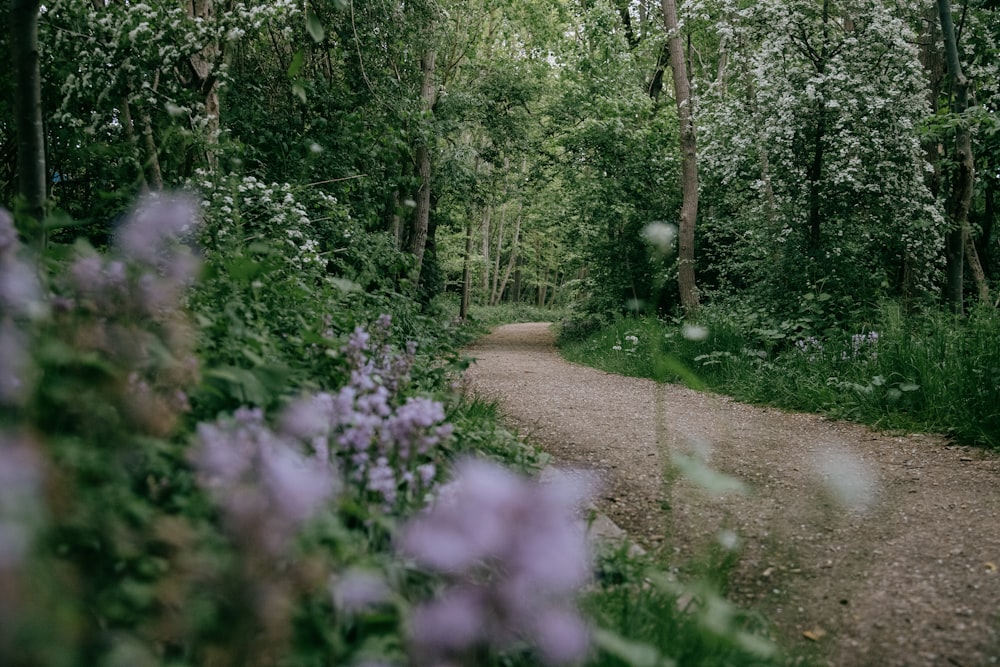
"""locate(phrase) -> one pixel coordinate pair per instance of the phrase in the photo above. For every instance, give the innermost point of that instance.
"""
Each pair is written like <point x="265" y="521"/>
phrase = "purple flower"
<point x="562" y="637"/>
<point x="427" y="472"/>
<point x="297" y="485"/>
<point x="20" y="292"/>
<point x="515" y="557"/>
<point x="8" y="234"/>
<point x="264" y="484"/>
<point x="308" y="417"/>
<point x="154" y="226"/>
<point x="449" y="624"/>
<point x="382" y="480"/>
<point x="358" y="590"/>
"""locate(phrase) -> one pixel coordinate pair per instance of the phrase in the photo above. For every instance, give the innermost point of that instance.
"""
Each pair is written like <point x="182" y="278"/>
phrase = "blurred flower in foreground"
<point x="514" y="558"/>
<point x="851" y="481"/>
<point x="22" y="507"/>
<point x="660" y="235"/>
<point x="266" y="487"/>
<point x="20" y="298"/>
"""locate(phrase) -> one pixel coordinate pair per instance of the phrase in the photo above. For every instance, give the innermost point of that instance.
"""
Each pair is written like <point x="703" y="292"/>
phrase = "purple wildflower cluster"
<point x="263" y="482"/>
<point x="387" y="449"/>
<point x="809" y="346"/>
<point x="863" y="346"/>
<point x="127" y="307"/>
<point x="514" y="557"/>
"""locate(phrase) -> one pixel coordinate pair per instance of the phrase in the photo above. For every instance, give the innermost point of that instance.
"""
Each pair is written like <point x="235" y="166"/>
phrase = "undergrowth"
<point x="929" y="372"/>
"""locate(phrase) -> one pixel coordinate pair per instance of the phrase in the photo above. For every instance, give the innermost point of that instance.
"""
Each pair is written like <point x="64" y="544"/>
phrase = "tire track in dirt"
<point x="888" y="544"/>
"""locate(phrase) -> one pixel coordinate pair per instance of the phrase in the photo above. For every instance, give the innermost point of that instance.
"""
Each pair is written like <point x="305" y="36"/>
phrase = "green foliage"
<point x="650" y="619"/>
<point x="922" y="371"/>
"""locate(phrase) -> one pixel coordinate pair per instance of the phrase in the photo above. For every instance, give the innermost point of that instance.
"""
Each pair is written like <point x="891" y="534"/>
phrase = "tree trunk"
<point x="463" y="311"/>
<point x="689" y="162"/>
<point x="511" y="262"/>
<point x="486" y="231"/>
<point x="496" y="255"/>
<point x="28" y="107"/>
<point x="815" y="172"/>
<point x="418" y="239"/>
<point x="133" y="143"/>
<point x="960" y="198"/>
<point x="395" y="221"/>
<point x="152" y="152"/>
<point x="203" y="66"/>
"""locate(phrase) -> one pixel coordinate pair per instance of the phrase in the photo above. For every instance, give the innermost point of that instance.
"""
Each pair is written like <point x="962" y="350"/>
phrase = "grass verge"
<point x="933" y="372"/>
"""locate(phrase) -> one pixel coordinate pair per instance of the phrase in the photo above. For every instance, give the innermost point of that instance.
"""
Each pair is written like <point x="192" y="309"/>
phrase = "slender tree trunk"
<point x="203" y="65"/>
<point x="152" y="152"/>
<point x="418" y="239"/>
<point x="511" y="262"/>
<point x="497" y="254"/>
<point x="395" y="220"/>
<point x="133" y="143"/>
<point x="960" y="198"/>
<point x="815" y="171"/>
<point x="463" y="311"/>
<point x="689" y="162"/>
<point x="28" y="107"/>
<point x="486" y="231"/>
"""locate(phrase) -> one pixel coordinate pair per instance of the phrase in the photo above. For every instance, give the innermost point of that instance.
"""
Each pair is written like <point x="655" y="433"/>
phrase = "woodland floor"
<point x="869" y="548"/>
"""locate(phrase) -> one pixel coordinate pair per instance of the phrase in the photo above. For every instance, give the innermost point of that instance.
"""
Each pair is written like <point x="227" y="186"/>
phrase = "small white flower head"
<point x="315" y="148"/>
<point x="660" y="235"/>
<point x="694" y="332"/>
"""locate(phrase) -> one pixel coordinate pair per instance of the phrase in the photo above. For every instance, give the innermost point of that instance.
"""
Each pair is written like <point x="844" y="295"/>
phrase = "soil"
<point x="868" y="548"/>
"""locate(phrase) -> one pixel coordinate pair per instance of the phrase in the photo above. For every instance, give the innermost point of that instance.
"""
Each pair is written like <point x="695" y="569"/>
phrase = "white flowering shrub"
<point x="814" y="124"/>
<point x="243" y="210"/>
<point x="125" y="63"/>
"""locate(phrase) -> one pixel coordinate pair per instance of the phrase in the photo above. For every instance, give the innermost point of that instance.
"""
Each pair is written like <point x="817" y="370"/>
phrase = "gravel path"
<point x="878" y="549"/>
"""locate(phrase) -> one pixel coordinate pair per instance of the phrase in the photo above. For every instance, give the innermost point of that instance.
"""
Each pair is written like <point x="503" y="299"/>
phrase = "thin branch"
<point x="337" y="180"/>
<point x="361" y="61"/>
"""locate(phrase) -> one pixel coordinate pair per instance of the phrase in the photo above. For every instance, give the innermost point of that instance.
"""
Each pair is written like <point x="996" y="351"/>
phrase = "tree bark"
<point x="28" y="107"/>
<point x="960" y="198"/>
<point x="689" y="162"/>
<point x="203" y="65"/>
<point x="497" y="254"/>
<point x="486" y="231"/>
<point x="421" y="217"/>
<point x="511" y="262"/>
<point x="152" y="152"/>
<point x="133" y="143"/>
<point x="463" y="311"/>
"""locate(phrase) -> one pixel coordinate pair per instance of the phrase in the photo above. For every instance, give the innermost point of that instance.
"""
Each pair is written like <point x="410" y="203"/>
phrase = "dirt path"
<point x="885" y="547"/>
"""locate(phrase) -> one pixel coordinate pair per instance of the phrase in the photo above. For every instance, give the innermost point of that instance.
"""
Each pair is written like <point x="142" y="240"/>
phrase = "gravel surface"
<point x="871" y="548"/>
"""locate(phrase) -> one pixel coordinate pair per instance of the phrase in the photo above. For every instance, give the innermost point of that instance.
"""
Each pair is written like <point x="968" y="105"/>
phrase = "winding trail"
<point x="883" y="549"/>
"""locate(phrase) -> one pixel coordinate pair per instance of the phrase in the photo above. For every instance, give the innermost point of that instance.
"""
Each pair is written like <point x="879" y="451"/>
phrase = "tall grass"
<point x="933" y="371"/>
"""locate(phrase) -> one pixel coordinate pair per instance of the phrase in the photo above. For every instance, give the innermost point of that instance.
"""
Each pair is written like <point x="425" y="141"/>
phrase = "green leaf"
<point x="708" y="479"/>
<point x="315" y="28"/>
<point x="297" y="60"/>
<point x="636" y="654"/>
<point x="299" y="91"/>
